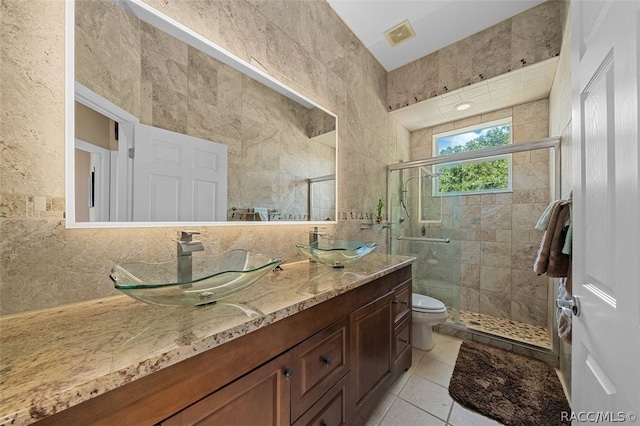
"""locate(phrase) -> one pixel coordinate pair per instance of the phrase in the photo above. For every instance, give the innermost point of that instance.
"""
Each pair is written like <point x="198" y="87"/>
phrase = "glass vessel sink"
<point x="212" y="278"/>
<point x="337" y="253"/>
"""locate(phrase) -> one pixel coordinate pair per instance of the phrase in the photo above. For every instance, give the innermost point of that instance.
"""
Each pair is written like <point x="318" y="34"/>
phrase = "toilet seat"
<point x="426" y="304"/>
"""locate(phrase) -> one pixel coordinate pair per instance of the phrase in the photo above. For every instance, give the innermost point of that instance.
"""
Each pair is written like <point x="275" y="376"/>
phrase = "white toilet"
<point x="426" y="313"/>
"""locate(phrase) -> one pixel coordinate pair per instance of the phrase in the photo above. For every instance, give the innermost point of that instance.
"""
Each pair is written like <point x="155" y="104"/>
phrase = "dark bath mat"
<point x="511" y="388"/>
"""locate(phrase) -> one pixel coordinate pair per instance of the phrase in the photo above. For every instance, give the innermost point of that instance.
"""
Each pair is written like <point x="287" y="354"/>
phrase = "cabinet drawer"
<point x="402" y="302"/>
<point x="331" y="409"/>
<point x="402" y="339"/>
<point x="320" y="362"/>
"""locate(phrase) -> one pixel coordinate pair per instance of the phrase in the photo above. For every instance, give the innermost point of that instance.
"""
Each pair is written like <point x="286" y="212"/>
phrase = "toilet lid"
<point x="426" y="303"/>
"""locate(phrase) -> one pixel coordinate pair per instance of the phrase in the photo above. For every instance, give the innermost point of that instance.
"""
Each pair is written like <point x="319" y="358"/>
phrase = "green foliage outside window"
<point x="475" y="176"/>
<point x="479" y="175"/>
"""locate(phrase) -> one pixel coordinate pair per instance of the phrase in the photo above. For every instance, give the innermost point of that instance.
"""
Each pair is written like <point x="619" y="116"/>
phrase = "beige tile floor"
<point x="420" y="397"/>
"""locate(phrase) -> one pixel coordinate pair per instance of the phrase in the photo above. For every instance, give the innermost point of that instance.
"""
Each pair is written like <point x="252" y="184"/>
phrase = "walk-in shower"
<point x="475" y="246"/>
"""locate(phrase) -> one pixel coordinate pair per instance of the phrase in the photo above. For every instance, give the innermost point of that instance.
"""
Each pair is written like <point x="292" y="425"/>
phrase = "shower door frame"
<point x="512" y="148"/>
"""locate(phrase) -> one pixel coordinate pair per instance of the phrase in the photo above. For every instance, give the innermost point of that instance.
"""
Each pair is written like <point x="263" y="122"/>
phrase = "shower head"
<point x="405" y="188"/>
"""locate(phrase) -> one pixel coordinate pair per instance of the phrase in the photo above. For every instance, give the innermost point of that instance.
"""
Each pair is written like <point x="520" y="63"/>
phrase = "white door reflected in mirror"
<point x="178" y="177"/>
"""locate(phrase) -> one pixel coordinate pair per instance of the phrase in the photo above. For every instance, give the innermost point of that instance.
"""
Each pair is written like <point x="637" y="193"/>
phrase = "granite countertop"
<point x="56" y="358"/>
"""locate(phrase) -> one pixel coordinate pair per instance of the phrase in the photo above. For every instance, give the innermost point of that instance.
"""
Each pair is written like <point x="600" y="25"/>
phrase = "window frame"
<point x="509" y="157"/>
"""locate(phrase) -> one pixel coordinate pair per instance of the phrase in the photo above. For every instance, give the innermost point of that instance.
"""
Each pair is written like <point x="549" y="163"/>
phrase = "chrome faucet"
<point x="315" y="234"/>
<point x="186" y="247"/>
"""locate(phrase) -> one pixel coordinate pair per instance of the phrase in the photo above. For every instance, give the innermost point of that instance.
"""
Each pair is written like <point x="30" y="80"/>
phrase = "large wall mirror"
<point x="168" y="128"/>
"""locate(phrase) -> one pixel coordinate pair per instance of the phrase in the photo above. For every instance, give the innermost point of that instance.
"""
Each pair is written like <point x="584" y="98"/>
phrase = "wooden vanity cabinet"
<point x="309" y="379"/>
<point x="326" y="365"/>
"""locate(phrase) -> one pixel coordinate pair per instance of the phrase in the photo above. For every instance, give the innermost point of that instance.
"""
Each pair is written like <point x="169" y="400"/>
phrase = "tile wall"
<point x="527" y="38"/>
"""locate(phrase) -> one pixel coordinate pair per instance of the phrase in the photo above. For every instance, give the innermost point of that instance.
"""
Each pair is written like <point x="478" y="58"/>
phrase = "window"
<point x="482" y="175"/>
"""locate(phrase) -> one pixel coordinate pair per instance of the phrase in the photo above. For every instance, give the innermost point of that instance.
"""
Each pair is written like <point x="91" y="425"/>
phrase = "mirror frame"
<point x="182" y="32"/>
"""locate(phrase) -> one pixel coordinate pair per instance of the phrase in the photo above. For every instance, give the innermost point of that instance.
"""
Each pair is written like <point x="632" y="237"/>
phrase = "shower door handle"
<point x="571" y="306"/>
<point x="424" y="239"/>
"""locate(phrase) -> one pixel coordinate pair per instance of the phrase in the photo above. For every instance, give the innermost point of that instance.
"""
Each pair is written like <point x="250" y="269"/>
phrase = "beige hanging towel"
<point x="550" y="259"/>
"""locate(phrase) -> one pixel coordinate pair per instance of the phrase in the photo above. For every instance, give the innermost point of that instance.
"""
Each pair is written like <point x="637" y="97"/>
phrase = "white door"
<point x="178" y="177"/>
<point x="606" y="339"/>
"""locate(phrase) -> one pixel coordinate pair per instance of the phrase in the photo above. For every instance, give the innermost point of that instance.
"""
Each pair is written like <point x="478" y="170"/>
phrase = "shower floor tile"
<point x="503" y="327"/>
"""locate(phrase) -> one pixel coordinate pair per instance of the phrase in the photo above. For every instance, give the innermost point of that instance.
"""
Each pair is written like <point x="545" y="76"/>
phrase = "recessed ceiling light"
<point x="400" y="33"/>
<point x="463" y="106"/>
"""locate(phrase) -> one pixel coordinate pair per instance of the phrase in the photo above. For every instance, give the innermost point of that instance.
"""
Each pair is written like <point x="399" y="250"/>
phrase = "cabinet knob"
<point x="405" y="302"/>
<point x="323" y="423"/>
<point x="395" y="301"/>
<point x="326" y="360"/>
<point x="288" y="374"/>
<point x="405" y="341"/>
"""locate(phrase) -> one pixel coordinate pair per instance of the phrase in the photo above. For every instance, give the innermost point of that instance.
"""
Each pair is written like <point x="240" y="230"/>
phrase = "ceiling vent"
<point x="400" y="33"/>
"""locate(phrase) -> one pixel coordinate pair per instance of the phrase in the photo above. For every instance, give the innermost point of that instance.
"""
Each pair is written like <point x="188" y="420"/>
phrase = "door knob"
<point x="569" y="306"/>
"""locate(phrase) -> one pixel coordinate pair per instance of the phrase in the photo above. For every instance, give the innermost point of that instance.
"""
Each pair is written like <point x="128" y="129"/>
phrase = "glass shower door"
<point x="427" y="225"/>
<point x="475" y="246"/>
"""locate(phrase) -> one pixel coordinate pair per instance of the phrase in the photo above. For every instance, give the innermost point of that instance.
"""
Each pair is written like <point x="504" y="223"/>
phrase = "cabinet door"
<point x="261" y="398"/>
<point x="371" y="331"/>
